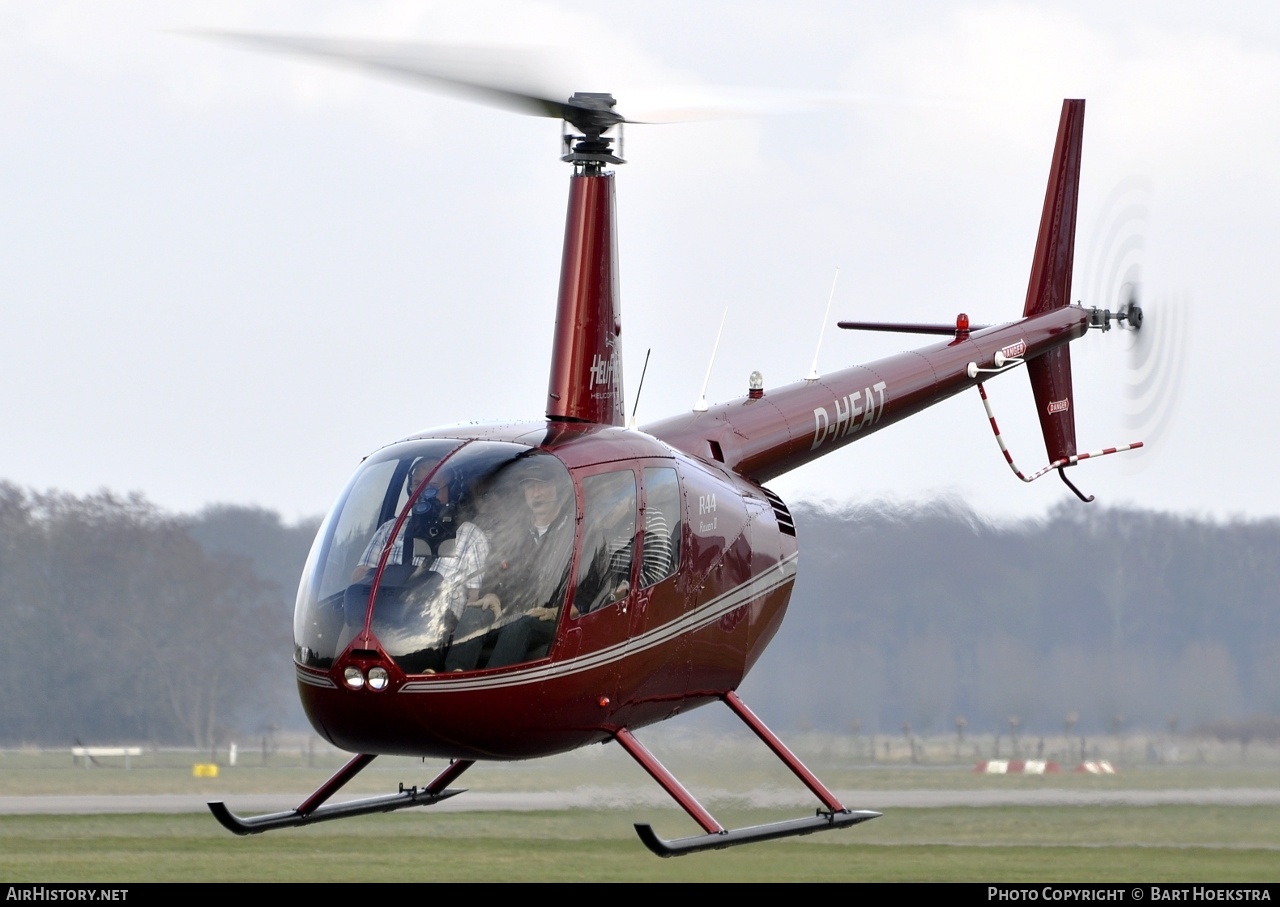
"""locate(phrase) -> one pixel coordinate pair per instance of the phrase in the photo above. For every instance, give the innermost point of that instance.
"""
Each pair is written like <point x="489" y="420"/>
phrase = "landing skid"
<point x="728" y="838"/>
<point x="312" y="809"/>
<point x="717" y="836"/>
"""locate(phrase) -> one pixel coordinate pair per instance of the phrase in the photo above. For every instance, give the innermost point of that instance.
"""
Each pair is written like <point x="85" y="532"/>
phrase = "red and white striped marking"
<point x="1065" y="461"/>
<point x="1017" y="767"/>
<point x="1097" y="767"/>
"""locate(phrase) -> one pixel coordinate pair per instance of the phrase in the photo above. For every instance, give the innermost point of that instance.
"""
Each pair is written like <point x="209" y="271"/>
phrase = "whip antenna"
<point x="701" y="405"/>
<point x="813" y="369"/>
<point x="644" y="370"/>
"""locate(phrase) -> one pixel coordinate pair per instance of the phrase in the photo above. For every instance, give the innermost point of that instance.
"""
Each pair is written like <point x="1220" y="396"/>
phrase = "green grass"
<point x="1124" y="843"/>
<point x="1005" y="844"/>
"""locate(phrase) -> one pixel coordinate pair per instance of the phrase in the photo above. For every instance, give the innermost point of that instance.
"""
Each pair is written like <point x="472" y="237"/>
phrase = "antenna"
<point x="701" y="405"/>
<point x="632" y="426"/>
<point x="813" y="369"/>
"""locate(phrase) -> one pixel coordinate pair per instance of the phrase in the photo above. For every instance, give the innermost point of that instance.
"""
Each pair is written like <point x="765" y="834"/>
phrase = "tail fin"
<point x="1050" y="285"/>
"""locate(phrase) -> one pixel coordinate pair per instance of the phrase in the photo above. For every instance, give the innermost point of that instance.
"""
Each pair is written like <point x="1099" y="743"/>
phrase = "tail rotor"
<point x="1155" y="329"/>
<point x="1153" y="381"/>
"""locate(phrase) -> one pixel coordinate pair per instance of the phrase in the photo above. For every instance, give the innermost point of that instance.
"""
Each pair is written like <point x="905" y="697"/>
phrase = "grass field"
<point x="1236" y="844"/>
<point x="1103" y="841"/>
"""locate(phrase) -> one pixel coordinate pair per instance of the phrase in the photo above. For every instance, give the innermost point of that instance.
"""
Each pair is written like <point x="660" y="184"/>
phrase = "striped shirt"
<point x="465" y="565"/>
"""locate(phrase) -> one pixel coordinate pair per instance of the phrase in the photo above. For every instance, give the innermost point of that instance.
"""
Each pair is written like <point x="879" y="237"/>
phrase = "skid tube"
<point x="716" y="836"/>
<point x="313" y="810"/>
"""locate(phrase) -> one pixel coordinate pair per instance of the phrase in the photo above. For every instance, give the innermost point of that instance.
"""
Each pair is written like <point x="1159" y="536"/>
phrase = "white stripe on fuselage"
<point x="757" y="587"/>
<point x="312" y="679"/>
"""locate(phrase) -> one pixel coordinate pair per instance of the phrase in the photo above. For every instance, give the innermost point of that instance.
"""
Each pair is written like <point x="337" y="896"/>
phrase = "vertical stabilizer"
<point x="1050" y="285"/>
<point x="586" y="360"/>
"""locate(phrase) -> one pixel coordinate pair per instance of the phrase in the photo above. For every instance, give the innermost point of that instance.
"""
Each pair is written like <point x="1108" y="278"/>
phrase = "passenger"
<point x="436" y="606"/>
<point x="604" y="576"/>
<point x="658" y="559"/>
<point x="462" y="565"/>
<point x="419" y="609"/>
<point x="431" y="519"/>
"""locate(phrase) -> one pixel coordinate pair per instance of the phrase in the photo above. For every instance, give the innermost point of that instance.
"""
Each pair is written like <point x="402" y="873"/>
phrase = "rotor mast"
<point x="585" y="384"/>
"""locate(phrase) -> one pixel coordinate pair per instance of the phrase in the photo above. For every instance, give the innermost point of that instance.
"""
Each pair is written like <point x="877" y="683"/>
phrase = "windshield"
<point x="455" y="556"/>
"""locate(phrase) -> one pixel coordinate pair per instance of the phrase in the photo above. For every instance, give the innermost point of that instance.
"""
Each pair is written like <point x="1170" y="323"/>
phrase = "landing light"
<point x="378" y="678"/>
<point x="353" y="677"/>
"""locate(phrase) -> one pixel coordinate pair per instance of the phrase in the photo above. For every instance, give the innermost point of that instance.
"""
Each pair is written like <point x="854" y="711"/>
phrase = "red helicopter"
<point x="503" y="592"/>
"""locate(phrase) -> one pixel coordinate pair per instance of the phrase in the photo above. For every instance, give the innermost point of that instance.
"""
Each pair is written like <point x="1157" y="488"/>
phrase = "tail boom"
<point x="765" y="437"/>
<point x="780" y="430"/>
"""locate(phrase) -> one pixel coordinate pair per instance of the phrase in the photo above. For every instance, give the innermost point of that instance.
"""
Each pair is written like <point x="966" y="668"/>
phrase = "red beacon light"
<point x="962" y="325"/>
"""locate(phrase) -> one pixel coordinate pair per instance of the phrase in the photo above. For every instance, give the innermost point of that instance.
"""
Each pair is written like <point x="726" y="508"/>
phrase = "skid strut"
<point x="716" y="836"/>
<point x="313" y="810"/>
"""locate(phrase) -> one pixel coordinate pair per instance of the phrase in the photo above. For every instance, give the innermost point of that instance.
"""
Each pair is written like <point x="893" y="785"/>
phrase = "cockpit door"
<point x="598" y="622"/>
<point x="655" y="596"/>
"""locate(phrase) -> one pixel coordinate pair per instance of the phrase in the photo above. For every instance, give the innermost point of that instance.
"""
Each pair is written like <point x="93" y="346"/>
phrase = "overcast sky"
<point x="227" y="276"/>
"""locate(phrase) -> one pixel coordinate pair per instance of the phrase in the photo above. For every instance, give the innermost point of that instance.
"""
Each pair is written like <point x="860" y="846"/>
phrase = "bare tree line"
<point x="1094" y="616"/>
<point x="117" y="623"/>
<point x="121" y="622"/>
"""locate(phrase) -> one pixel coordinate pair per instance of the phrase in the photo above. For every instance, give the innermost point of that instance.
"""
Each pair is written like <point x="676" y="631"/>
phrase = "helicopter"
<point x="512" y="591"/>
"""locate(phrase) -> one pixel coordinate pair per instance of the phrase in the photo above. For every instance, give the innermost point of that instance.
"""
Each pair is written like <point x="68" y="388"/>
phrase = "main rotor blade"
<point x="500" y="77"/>
<point x="533" y="81"/>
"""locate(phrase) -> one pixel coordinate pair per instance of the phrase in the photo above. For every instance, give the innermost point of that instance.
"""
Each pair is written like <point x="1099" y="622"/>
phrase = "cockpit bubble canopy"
<point x="455" y="555"/>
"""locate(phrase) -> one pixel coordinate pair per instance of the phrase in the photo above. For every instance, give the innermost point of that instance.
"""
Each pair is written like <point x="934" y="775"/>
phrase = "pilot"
<point x="530" y="582"/>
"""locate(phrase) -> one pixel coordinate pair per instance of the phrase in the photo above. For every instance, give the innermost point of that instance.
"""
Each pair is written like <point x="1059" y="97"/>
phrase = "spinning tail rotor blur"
<point x="1156" y="325"/>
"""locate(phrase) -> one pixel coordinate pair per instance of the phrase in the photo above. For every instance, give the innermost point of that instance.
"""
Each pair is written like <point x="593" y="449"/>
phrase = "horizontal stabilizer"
<point x="904" y="327"/>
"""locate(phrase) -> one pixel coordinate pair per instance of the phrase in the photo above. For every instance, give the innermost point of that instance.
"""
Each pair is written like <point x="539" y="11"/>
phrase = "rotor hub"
<point x="1129" y="315"/>
<point x="592" y="113"/>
